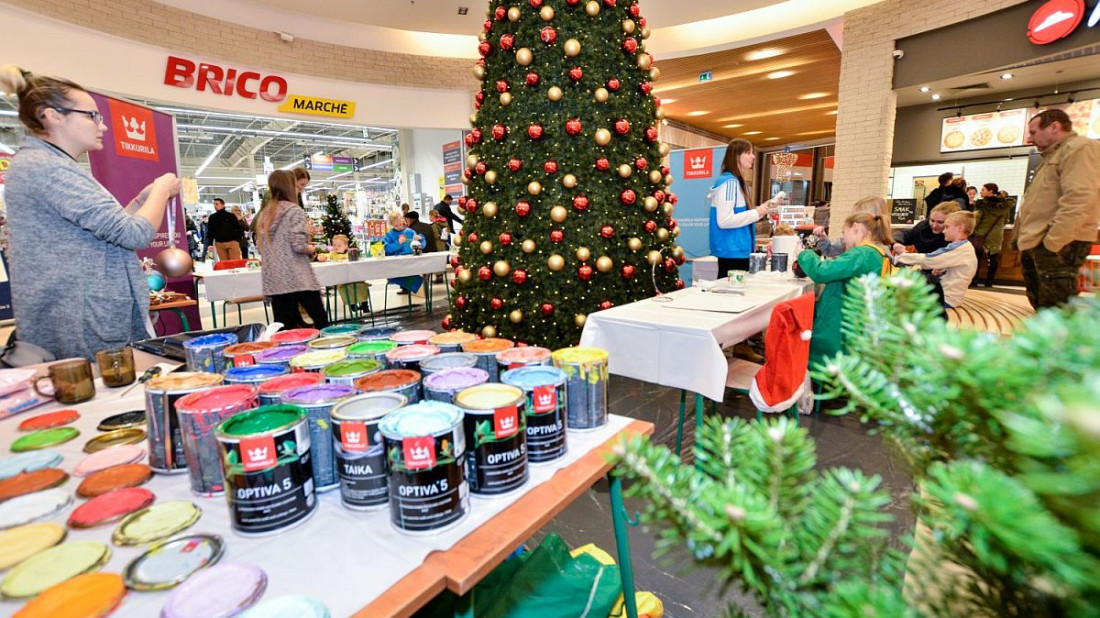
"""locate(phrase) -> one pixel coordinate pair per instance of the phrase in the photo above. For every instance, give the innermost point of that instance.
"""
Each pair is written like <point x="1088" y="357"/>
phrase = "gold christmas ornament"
<point x="600" y="95"/>
<point x="644" y="62"/>
<point x="569" y="181"/>
<point x="554" y="94"/>
<point x="489" y="332"/>
<point x="669" y="180"/>
<point x="524" y="56"/>
<point x="490" y="209"/>
<point x="668" y="209"/>
<point x="515" y="317"/>
<point x="592" y="8"/>
<point x="653" y="257"/>
<point x="546" y="13"/>
<point x="602" y="137"/>
<point x="471" y="160"/>
<point x="534" y="187"/>
<point x="580" y="319"/>
<point x="660" y="113"/>
<point x="572" y="48"/>
<point x="555" y="262"/>
<point x="464" y="276"/>
<point x="676" y="232"/>
<point x="514" y="14"/>
<point x="486" y="247"/>
<point x="528" y="246"/>
<point x="464" y="180"/>
<point x="654" y="176"/>
<point x="649" y="203"/>
<point x="479" y="72"/>
<point x="645" y="32"/>
<point x="625" y="170"/>
<point x="456" y="239"/>
<point x="501" y="268"/>
<point x="628" y="26"/>
<point x="491" y="177"/>
<point x="662" y="234"/>
<point x="604" y="264"/>
<point x="654" y="74"/>
<point x="481" y="37"/>
<point x="506" y="98"/>
<point x="663" y="149"/>
<point x="558" y="214"/>
<point x="677" y="252"/>
<point x="473" y="118"/>
<point x="583" y="254"/>
<point x="634" y="244"/>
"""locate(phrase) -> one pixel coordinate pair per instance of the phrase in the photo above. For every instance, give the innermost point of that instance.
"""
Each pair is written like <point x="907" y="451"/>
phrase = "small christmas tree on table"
<point x="568" y="209"/>
<point x="335" y="222"/>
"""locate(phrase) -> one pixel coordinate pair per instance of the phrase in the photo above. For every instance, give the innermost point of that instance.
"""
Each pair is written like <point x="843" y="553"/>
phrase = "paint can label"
<point x="360" y="464"/>
<point x="269" y="480"/>
<point x="497" y="460"/>
<point x="546" y="423"/>
<point x="427" y="482"/>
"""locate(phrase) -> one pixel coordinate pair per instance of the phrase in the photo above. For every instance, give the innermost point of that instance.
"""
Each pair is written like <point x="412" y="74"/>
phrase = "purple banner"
<point x="139" y="146"/>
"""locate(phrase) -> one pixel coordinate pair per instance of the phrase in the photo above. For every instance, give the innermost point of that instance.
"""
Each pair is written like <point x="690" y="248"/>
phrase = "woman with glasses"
<point x="77" y="286"/>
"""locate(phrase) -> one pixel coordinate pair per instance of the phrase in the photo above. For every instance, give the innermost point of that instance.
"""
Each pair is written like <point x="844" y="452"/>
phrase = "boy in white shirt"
<point x="955" y="264"/>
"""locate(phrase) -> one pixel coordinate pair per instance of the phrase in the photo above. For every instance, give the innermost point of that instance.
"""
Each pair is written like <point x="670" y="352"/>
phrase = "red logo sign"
<point x="184" y="73"/>
<point x="1055" y="20"/>
<point x="244" y="360"/>
<point x="697" y="163"/>
<point x="258" y="453"/>
<point x="353" y="436"/>
<point x="505" y="422"/>
<point x="134" y="130"/>
<point x="419" y="452"/>
<point x="545" y="399"/>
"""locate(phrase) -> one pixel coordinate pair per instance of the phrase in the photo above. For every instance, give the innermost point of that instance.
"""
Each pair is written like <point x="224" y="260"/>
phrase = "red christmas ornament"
<point x="454" y="261"/>
<point x="460" y="302"/>
<point x="612" y="84"/>
<point x="523" y="208"/>
<point x="519" y="276"/>
<point x="580" y="202"/>
<point x="679" y="284"/>
<point x="660" y="195"/>
<point x="550" y="167"/>
<point x="473" y="235"/>
<point x="680" y="260"/>
<point x="476" y="132"/>
<point x="547" y="309"/>
<point x="534" y="131"/>
<point x="576" y="74"/>
<point x="573" y="126"/>
<point x="505" y="238"/>
<point x="488" y="25"/>
<point x="506" y="41"/>
<point x="499" y="131"/>
<point x="471" y="205"/>
<point x="643" y="22"/>
<point x="500" y="13"/>
<point x="672" y="223"/>
<point x="664" y="170"/>
<point x="462" y="201"/>
<point x="532" y="79"/>
<point x="609" y="2"/>
<point x="650" y="227"/>
<point x="469" y="139"/>
<point x="672" y="199"/>
<point x="548" y="35"/>
<point x="484" y="48"/>
<point x="446" y="323"/>
<point x="630" y="45"/>
<point x="657" y="100"/>
<point x="640" y="163"/>
<point x="481" y="168"/>
<point x="468" y="173"/>
<point x="484" y="273"/>
<point x="606" y="304"/>
<point x="556" y="236"/>
<point x="502" y="86"/>
<point x="670" y="265"/>
<point x="514" y="164"/>
<point x="628" y="271"/>
<point x="622" y="126"/>
<point x="651" y="133"/>
<point x="572" y="2"/>
<point x="603" y="164"/>
<point x="535" y="3"/>
<point x="477" y="105"/>
<point x="607" y="231"/>
<point x="635" y="10"/>
<point x="496" y="303"/>
<point x="628" y="196"/>
<point x="584" y="273"/>
<point x="645" y="87"/>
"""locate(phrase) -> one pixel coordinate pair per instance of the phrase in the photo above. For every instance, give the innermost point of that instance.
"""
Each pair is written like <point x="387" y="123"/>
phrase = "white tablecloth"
<point x="343" y="558"/>
<point x="242" y="283"/>
<point x="650" y="341"/>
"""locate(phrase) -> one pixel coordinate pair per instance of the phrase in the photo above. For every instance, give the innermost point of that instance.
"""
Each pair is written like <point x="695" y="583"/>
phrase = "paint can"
<point x="161" y="395"/>
<point x="244" y="354"/>
<point x="494" y="420"/>
<point x="205" y="353"/>
<point x="527" y="356"/>
<point x="315" y="361"/>
<point x="450" y="360"/>
<point x="280" y="355"/>
<point x="338" y="342"/>
<point x="486" y="352"/>
<point x="379" y="333"/>
<point x="268" y="470"/>
<point x="403" y="381"/>
<point x="451" y="341"/>
<point x="758" y="263"/>
<point x="409" y="356"/>
<point x="360" y="458"/>
<point x="545" y="391"/>
<point x="295" y="336"/>
<point x="199" y="413"/>
<point x="412" y="337"/>
<point x="253" y="374"/>
<point x="444" y="385"/>
<point x="271" y="392"/>
<point x="585" y="386"/>
<point x="425" y="445"/>
<point x="350" y="330"/>
<point x="349" y="370"/>
<point x="779" y="262"/>
<point x="317" y="401"/>
<point x="372" y="349"/>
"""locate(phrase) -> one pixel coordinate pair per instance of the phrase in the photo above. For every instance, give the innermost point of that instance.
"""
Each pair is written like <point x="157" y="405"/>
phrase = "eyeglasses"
<point x="91" y="113"/>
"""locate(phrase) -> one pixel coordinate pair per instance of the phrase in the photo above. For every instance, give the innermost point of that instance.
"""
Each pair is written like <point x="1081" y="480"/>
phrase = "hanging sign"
<point x="1057" y="19"/>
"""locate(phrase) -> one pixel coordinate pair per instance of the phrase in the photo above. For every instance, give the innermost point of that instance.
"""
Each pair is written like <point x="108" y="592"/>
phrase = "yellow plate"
<point x="53" y="566"/>
<point x="156" y="522"/>
<point x="114" y="438"/>
<point x="18" y="544"/>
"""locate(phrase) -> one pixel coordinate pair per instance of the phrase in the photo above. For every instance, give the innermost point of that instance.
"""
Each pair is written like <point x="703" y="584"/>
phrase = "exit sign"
<point x="706" y="76"/>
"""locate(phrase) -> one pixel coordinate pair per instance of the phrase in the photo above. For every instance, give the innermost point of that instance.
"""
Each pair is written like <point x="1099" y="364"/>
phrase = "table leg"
<point x="183" y="319"/>
<point x="213" y="315"/>
<point x="622" y="545"/>
<point x="680" y="422"/>
<point x="698" y="423"/>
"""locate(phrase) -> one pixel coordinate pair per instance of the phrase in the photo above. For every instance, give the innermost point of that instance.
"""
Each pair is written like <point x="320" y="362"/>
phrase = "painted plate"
<point x="25" y="509"/>
<point x="18" y="544"/>
<point x="110" y="507"/>
<point x="49" y="420"/>
<point x="44" y="439"/>
<point x="92" y="594"/>
<point x="30" y="482"/>
<point x="53" y="566"/>
<point x="156" y="522"/>
<point x="28" y="462"/>
<point x="288" y="606"/>
<point x="126" y="420"/>
<point x="111" y="439"/>
<point x="125" y="454"/>
<point x="169" y="563"/>
<point x="127" y="475"/>
<point x="222" y="590"/>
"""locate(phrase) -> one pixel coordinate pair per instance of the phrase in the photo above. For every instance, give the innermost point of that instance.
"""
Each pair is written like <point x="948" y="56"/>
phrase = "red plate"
<point x="49" y="420"/>
<point x="110" y="507"/>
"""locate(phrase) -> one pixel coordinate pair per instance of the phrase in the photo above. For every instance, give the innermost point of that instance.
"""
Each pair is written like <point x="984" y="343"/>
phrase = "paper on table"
<point x="721" y="303"/>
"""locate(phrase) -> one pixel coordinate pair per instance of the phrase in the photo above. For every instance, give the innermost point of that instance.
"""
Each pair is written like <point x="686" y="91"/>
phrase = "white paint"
<point x="46" y="46"/>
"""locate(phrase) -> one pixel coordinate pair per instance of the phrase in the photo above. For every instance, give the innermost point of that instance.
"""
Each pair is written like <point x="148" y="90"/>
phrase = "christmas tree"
<point x="568" y="209"/>
<point x="336" y="222"/>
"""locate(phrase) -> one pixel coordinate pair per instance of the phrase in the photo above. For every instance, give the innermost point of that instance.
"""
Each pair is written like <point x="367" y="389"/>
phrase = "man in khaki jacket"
<point x="1057" y="223"/>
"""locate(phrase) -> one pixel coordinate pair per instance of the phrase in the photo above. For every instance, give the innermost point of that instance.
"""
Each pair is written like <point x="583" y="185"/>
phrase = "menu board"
<point x="983" y="131"/>
<point x="903" y="210"/>
<point x="1085" y="116"/>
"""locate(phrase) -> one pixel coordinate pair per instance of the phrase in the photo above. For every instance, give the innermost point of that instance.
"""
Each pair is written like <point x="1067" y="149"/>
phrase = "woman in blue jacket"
<point x="732" y="221"/>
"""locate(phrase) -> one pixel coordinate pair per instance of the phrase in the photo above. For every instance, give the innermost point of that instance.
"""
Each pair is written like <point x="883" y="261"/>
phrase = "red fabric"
<point x="786" y="352"/>
<point x="231" y="264"/>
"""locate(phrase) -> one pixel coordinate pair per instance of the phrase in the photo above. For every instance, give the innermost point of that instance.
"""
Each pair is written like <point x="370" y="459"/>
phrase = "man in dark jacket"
<point x="936" y="196"/>
<point x="225" y="230"/>
<point x="444" y="208"/>
<point x="927" y="235"/>
<point x="431" y="239"/>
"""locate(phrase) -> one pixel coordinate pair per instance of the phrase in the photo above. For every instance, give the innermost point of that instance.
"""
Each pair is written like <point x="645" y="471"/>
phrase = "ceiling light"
<point x="780" y="74"/>
<point x="832" y="113"/>
<point x="698" y="113"/>
<point x="761" y="54"/>
<point x="936" y="97"/>
<point x="733" y="126"/>
<point x="770" y="139"/>
<point x="667" y="101"/>
<point x="210" y="159"/>
<point x="925" y="89"/>
<point x="1006" y="75"/>
<point x="752" y="132"/>
<point x="814" y="95"/>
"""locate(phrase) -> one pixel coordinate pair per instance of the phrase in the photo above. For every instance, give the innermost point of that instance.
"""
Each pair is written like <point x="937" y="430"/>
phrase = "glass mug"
<point x="116" y="367"/>
<point x="72" y="381"/>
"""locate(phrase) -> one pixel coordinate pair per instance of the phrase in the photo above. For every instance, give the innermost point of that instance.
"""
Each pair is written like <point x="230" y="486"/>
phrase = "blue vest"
<point x="738" y="242"/>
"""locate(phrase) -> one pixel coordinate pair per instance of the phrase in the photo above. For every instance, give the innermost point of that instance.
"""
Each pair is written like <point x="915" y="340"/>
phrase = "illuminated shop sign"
<point x="1057" y="19"/>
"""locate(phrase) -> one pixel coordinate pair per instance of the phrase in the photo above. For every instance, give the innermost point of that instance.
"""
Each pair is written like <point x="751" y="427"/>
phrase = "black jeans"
<point x="725" y="265"/>
<point x="284" y="308"/>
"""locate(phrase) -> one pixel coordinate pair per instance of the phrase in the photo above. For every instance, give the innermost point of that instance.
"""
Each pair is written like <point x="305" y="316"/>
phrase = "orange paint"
<point x="30" y="482"/>
<point x="84" y="596"/>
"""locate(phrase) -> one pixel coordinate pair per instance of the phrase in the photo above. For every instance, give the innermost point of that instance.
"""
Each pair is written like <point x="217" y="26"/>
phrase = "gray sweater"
<point x="286" y="265"/>
<point x="77" y="286"/>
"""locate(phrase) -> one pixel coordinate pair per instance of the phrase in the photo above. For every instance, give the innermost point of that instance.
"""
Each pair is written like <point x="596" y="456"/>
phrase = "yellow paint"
<point x="316" y="106"/>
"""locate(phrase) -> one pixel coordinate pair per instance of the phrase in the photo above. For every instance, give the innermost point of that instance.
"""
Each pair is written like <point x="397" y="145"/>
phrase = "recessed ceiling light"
<point x="733" y="126"/>
<point x="780" y="74"/>
<point x="667" y="101"/>
<point x="761" y="54"/>
<point x="698" y="113"/>
<point x="753" y="132"/>
<point x="925" y="89"/>
<point x="814" y="95"/>
<point x="936" y="97"/>
<point x="832" y="113"/>
<point x="1006" y="76"/>
<point x="770" y="139"/>
<point x="462" y="10"/>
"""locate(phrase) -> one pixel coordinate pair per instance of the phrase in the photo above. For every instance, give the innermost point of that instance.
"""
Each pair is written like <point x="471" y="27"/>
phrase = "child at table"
<point x="954" y="264"/>
<point x="352" y="293"/>
<point x="865" y="235"/>
<point x="398" y="241"/>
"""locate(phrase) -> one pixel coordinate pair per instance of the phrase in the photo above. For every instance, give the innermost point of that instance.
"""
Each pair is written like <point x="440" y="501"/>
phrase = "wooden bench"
<point x="994" y="312"/>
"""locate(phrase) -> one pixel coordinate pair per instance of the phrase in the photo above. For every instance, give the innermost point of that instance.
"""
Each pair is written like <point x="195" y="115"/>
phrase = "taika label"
<point x="353" y="436"/>
<point x="1057" y="19"/>
<point x="134" y="130"/>
<point x="419" y="452"/>
<point x="258" y="453"/>
<point x="697" y="163"/>
<point x="505" y="422"/>
<point x="545" y="399"/>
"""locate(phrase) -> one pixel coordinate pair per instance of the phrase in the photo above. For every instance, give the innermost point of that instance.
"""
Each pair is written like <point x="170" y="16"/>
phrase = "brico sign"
<point x="203" y="76"/>
<point x="1057" y="19"/>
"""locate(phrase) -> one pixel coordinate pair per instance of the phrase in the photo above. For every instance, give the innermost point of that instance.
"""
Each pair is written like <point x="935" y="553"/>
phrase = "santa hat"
<point x="782" y="379"/>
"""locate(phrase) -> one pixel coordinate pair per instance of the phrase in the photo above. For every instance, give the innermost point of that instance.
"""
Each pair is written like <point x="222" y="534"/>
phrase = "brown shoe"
<point x="744" y="351"/>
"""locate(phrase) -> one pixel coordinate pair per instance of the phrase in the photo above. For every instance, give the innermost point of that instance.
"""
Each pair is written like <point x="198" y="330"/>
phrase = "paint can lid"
<point x="318" y="394"/>
<point x="248" y="347"/>
<point x="222" y="590"/>
<point x="232" y="397"/>
<point x="456" y="379"/>
<point x="126" y="475"/>
<point x="318" y="358"/>
<point x="19" y="543"/>
<point x="25" y="509"/>
<point x="490" y="345"/>
<point x="351" y="367"/>
<point x="254" y="373"/>
<point x="376" y="333"/>
<point x="580" y="355"/>
<point x="53" y="566"/>
<point x="110" y="507"/>
<point x="30" y="482"/>
<point x="526" y="354"/>
<point x="295" y="335"/>
<point x="388" y="380"/>
<point x="49" y="420"/>
<point x="111" y="439"/>
<point x="489" y="396"/>
<point x="406" y="337"/>
<point x="156" y="522"/>
<point x="169" y="563"/>
<point x="291" y="380"/>
<point x="184" y="381"/>
<point x="425" y="418"/>
<point x="456" y="337"/>
<point x="91" y="594"/>
<point x="44" y="438"/>
<point x="332" y="343"/>
<point x="215" y="340"/>
<point x="531" y="377"/>
<point x="341" y="329"/>
<point x="281" y="354"/>
<point x="449" y="360"/>
<point x="371" y="348"/>
<point x="368" y="407"/>
<point x="125" y="454"/>
<point x="261" y="421"/>
<point x="125" y="420"/>
<point x="412" y="352"/>
<point x="288" y="606"/>
<point x="28" y="462"/>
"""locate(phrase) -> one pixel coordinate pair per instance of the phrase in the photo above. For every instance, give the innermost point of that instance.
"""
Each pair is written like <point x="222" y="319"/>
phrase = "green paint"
<point x="44" y="438"/>
<point x="352" y="367"/>
<point x="264" y="419"/>
<point x="371" y="348"/>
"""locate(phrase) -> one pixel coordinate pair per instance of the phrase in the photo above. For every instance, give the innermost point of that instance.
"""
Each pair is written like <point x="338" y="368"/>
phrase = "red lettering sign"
<point x="206" y="76"/>
<point x="1055" y="20"/>
<point x="697" y="163"/>
<point x="134" y="130"/>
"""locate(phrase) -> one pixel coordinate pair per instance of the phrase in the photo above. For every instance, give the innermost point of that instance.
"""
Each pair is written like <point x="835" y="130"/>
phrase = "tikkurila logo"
<point x="258" y="453"/>
<point x="353" y="436"/>
<point x="545" y="399"/>
<point x="419" y="452"/>
<point x="697" y="163"/>
<point x="134" y="128"/>
<point x="505" y="422"/>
